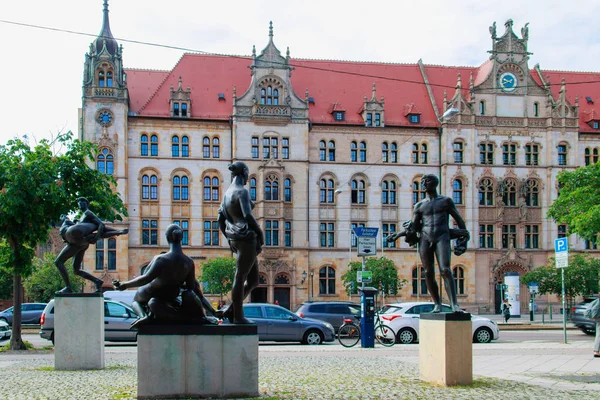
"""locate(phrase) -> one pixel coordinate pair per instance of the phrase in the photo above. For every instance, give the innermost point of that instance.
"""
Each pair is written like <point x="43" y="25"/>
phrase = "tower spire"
<point x="106" y="37"/>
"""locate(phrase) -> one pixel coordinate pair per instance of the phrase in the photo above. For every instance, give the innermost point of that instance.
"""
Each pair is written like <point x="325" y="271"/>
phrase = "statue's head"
<point x="430" y="179"/>
<point x="239" y="168"/>
<point x="83" y="202"/>
<point x="174" y="234"/>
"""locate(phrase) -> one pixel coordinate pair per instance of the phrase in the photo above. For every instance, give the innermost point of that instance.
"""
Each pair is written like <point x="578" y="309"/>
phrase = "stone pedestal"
<point x="79" y="331"/>
<point x="446" y="349"/>
<point x="197" y="361"/>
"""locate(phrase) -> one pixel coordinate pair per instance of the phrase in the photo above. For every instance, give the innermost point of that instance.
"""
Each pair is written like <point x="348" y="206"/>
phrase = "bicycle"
<point x="349" y="333"/>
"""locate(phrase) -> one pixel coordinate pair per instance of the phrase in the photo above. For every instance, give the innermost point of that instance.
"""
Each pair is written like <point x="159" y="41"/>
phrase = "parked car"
<point x="403" y="318"/>
<point x="333" y="312"/>
<point x="117" y="322"/>
<point x="278" y="324"/>
<point x="124" y="296"/>
<point x="587" y="325"/>
<point x="5" y="331"/>
<point x="30" y="313"/>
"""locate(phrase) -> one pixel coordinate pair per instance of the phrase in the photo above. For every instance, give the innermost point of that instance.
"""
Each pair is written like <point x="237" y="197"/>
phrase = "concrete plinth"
<point x="197" y="361"/>
<point x="446" y="349"/>
<point x="79" y="331"/>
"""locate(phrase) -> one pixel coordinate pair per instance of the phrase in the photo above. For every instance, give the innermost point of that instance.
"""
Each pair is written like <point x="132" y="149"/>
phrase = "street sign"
<point x="367" y="240"/>
<point x="561" y="252"/>
<point x="533" y="287"/>
<point x="365" y="232"/>
<point x="364" y="276"/>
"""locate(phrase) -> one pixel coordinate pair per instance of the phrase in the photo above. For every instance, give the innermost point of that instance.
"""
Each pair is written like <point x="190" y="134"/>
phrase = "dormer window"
<point x="184" y="109"/>
<point x="338" y="115"/>
<point x="373" y="109"/>
<point x="414" y="118"/>
<point x="595" y="124"/>
<point x="180" y="101"/>
<point x="176" y="109"/>
<point x="369" y="121"/>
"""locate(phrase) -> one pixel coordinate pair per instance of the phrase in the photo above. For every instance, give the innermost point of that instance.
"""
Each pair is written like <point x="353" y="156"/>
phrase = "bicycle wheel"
<point x="385" y="335"/>
<point x="349" y="335"/>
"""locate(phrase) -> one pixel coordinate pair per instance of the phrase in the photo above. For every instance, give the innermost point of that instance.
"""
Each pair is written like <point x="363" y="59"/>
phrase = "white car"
<point x="5" y="331"/>
<point x="403" y="318"/>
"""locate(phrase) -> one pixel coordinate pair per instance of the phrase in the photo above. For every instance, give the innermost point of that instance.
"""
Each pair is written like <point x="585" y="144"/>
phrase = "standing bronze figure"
<point x="245" y="238"/>
<point x="79" y="235"/>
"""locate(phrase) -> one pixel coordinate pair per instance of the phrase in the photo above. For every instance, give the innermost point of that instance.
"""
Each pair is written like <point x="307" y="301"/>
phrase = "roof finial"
<point x="179" y="86"/>
<point x="105" y="6"/>
<point x="254" y="51"/>
<point x="271" y="29"/>
<point x="373" y="93"/>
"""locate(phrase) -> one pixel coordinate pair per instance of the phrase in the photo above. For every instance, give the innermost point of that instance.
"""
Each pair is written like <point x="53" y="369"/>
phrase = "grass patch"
<point x="477" y="384"/>
<point x="6" y="347"/>
<point x="118" y="367"/>
<point x="44" y="369"/>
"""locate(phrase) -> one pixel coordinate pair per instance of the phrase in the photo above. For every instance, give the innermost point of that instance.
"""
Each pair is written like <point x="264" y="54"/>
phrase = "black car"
<point x="587" y="325"/>
<point x="30" y="313"/>
<point x="333" y="312"/>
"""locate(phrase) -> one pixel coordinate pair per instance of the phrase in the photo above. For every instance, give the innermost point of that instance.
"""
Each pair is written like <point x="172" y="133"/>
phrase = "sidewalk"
<point x="524" y="323"/>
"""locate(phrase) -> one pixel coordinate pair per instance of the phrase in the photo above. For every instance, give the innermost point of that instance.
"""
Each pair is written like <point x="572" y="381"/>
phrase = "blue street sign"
<point x="362" y="231"/>
<point x="561" y="245"/>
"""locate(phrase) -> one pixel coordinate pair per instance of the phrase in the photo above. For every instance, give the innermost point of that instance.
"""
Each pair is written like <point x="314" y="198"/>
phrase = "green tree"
<point x="581" y="276"/>
<point x="44" y="280"/>
<point x="578" y="204"/>
<point x="218" y="275"/>
<point x="385" y="276"/>
<point x="36" y="187"/>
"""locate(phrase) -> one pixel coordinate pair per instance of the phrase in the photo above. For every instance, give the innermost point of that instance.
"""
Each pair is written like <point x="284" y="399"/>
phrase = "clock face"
<point x="104" y="118"/>
<point x="507" y="81"/>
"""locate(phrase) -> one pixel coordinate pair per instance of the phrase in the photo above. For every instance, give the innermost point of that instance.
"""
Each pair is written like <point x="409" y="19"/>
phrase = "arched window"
<point x="105" y="162"/>
<point x="418" y="193"/>
<point x="101" y="81"/>
<point x="144" y="145"/>
<point x="393" y="152"/>
<point x="175" y="146"/>
<point x="100" y="255"/>
<point x="536" y="109"/>
<point x="353" y="152"/>
<point x="180" y="188"/>
<point x="154" y="146"/>
<point x="211" y="188"/>
<point x="532" y="193"/>
<point x="385" y="152"/>
<point x="272" y="188"/>
<point x="185" y="146"/>
<point x="358" y="191"/>
<point x="287" y="190"/>
<point x="424" y="158"/>
<point x="486" y="192"/>
<point x="149" y="187"/>
<point x="457" y="191"/>
<point x="388" y="192"/>
<point x="459" y="280"/>
<point x="326" y="191"/>
<point x="253" y="189"/>
<point x="419" y="285"/>
<point x="109" y="79"/>
<point x="282" y="279"/>
<point x="216" y="147"/>
<point x="205" y="147"/>
<point x="327" y="280"/>
<point x="595" y="155"/>
<point x="322" y="151"/>
<point x="363" y="152"/>
<point x="458" y="152"/>
<point x="415" y="153"/>
<point x="482" y="107"/>
<point x="587" y="156"/>
<point x="510" y="193"/>
<point x="269" y="96"/>
<point x="331" y="151"/>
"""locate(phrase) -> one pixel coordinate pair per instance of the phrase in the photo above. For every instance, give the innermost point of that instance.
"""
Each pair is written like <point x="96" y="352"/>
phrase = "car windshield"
<point x="393" y="310"/>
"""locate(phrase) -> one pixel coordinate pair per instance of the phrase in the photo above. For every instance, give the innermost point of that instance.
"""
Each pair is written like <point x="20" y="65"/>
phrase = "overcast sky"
<point x="42" y="70"/>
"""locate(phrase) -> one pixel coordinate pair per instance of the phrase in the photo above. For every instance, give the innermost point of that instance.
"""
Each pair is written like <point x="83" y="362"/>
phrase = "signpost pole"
<point x="562" y="270"/>
<point x="561" y="256"/>
<point x="364" y="264"/>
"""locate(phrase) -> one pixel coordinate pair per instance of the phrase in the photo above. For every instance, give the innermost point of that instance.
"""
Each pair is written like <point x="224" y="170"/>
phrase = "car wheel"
<point x="589" y="331"/>
<point x="406" y="336"/>
<point x="483" y="335"/>
<point x="313" y="337"/>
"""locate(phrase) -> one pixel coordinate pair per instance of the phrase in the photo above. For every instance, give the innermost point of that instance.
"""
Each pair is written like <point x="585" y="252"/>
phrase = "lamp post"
<point x="312" y="290"/>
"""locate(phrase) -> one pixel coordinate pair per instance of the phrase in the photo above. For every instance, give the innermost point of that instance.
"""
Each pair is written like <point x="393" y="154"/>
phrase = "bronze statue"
<point x="78" y="235"/>
<point x="158" y="299"/>
<point x="429" y="229"/>
<point x="245" y="239"/>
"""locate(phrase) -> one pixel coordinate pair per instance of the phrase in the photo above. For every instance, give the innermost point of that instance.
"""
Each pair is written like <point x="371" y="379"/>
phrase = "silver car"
<point x="5" y="331"/>
<point x="117" y="322"/>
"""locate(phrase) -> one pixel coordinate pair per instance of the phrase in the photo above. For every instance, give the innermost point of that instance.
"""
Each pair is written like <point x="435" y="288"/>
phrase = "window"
<point x="211" y="233"/>
<point x="536" y="109"/>
<point x="388" y="192"/>
<point x="185" y="146"/>
<point x="115" y="310"/>
<point x="418" y="282"/>
<point x="253" y="189"/>
<point x="154" y="146"/>
<point x="287" y="234"/>
<point x="216" y="147"/>
<point x="184" y="112"/>
<point x="369" y="121"/>
<point x="180" y="188"/>
<point x="562" y="231"/>
<point x="423" y="154"/>
<point x="419" y="153"/>
<point x="271" y="233"/>
<point x="272" y="188"/>
<point x="415" y="153"/>
<point x="175" y="146"/>
<point x="586" y="156"/>
<point x="353" y="152"/>
<point x="595" y="125"/>
<point x="562" y="154"/>
<point x="105" y="162"/>
<point x="353" y="237"/>
<point x="457" y="191"/>
<point x="206" y="147"/>
<point x="100" y="255"/>
<point x="377" y="119"/>
<point x="509" y="197"/>
<point x="150" y="231"/>
<point x="149" y="187"/>
<point x="458" y="152"/>
<point x="509" y="236"/>
<point x="358" y="191"/>
<point x="388" y="229"/>
<point x="144" y="145"/>
<point x="363" y="151"/>
<point x="418" y="193"/>
<point x="486" y="236"/>
<point x="532" y="152"/>
<point x="509" y="154"/>
<point x="326" y="190"/>
<point x="254" y="147"/>
<point x="285" y="148"/>
<point x="252" y="312"/>
<point x="101" y="81"/>
<point x="459" y="280"/>
<point x="269" y="96"/>
<point x="590" y="245"/>
<point x="176" y="109"/>
<point x="482" y="107"/>
<point x="322" y="151"/>
<point x="338" y="115"/>
<point x="327" y="234"/>
<point x="385" y="152"/>
<point x="185" y="227"/>
<point x="327" y="280"/>
<point x="486" y="153"/>
<point x="414" y="118"/>
<point x="532" y="236"/>
<point x="331" y="151"/>
<point x="211" y="188"/>
<point x="532" y="193"/>
<point x="270" y="147"/>
<point x="287" y="190"/>
<point x="394" y="152"/>
<point x="486" y="192"/>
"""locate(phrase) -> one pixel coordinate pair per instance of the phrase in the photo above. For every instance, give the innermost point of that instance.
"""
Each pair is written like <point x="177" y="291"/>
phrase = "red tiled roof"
<point x="336" y="106"/>
<point x="411" y="109"/>
<point x="142" y="84"/>
<point x="589" y="116"/>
